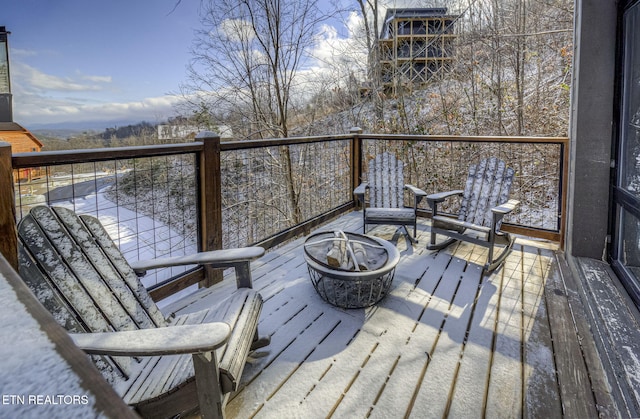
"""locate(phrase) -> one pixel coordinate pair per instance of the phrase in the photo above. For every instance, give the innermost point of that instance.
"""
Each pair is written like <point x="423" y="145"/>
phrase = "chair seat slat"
<point x="126" y="272"/>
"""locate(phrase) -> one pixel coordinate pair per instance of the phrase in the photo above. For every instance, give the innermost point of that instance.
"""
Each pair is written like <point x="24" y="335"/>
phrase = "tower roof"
<point x="411" y="13"/>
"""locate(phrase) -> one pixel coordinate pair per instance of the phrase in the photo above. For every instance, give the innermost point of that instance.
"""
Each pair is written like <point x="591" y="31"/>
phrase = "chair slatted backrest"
<point x="386" y="181"/>
<point x="488" y="185"/>
<point x="78" y="273"/>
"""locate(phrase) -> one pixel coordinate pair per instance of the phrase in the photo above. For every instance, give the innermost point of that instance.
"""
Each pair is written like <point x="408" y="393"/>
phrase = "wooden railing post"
<point x="8" y="232"/>
<point x="356" y="158"/>
<point x="210" y="201"/>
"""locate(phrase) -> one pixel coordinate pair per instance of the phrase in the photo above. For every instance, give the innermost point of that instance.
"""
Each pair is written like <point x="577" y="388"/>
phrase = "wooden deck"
<point x="446" y="342"/>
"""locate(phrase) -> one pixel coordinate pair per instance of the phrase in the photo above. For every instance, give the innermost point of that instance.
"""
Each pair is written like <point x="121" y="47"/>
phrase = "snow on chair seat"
<point x="384" y="189"/>
<point x="80" y="276"/>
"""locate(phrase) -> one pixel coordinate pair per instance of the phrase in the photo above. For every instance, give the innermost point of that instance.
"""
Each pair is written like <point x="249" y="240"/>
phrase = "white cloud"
<point x="98" y="79"/>
<point x="30" y="79"/>
<point x="237" y="30"/>
<point x="36" y="109"/>
<point x="17" y="52"/>
<point x="335" y="57"/>
<point x="40" y="98"/>
<point x="330" y="46"/>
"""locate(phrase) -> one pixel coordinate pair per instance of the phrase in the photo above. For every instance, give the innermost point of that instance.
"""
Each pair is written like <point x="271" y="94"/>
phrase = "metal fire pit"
<point x="348" y="287"/>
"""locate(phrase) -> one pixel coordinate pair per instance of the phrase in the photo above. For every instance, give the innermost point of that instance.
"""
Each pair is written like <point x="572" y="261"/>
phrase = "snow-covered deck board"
<point x="446" y="341"/>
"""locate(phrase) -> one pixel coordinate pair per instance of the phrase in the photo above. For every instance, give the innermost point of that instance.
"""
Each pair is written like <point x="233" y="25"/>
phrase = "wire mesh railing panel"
<point x="442" y="165"/>
<point x="146" y="204"/>
<point x="322" y="173"/>
<point x="268" y="190"/>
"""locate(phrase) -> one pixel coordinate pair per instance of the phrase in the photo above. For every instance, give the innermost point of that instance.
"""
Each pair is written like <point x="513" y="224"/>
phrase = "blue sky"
<point x="85" y="60"/>
<point x="102" y="63"/>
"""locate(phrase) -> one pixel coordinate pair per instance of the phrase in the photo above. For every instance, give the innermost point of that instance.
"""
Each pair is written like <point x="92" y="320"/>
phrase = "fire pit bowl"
<point x="350" y="270"/>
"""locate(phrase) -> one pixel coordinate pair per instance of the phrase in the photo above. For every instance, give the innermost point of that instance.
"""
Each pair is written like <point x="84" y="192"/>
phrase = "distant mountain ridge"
<point x="59" y="132"/>
<point x="66" y="130"/>
<point x="79" y="126"/>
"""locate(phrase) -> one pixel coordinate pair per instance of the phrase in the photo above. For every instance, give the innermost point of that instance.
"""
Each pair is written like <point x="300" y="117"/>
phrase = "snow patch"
<point x="35" y="381"/>
<point x="633" y="370"/>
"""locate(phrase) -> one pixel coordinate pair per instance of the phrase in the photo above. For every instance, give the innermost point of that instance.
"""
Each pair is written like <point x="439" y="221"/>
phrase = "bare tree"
<point x="246" y="61"/>
<point x="370" y="12"/>
<point x="513" y="60"/>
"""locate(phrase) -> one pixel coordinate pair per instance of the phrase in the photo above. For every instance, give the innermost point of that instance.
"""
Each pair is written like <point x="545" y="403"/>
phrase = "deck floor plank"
<point x="349" y="381"/>
<point x="292" y="395"/>
<point x="295" y="343"/>
<point x="504" y="396"/>
<point x="402" y="341"/>
<point x="542" y="396"/>
<point x="612" y="318"/>
<point x="469" y="394"/>
<point x="575" y="385"/>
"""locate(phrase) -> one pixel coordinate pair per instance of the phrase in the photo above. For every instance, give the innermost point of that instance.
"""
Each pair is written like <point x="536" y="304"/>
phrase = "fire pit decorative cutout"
<point x="350" y="270"/>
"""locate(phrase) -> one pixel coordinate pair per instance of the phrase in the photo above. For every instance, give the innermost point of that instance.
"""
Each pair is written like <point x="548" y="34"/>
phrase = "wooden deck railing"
<point x="267" y="191"/>
<point x="440" y="163"/>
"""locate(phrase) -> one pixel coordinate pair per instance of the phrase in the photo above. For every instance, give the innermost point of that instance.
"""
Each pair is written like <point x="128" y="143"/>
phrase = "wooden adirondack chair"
<point x="485" y="201"/>
<point x="80" y="276"/>
<point x="385" y="184"/>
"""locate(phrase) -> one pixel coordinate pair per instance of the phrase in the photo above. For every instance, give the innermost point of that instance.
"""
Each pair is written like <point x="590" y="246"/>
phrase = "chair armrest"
<point x="415" y="190"/>
<point x="418" y="194"/>
<point x="361" y="188"/>
<point x="225" y="258"/>
<point x="360" y="191"/>
<point x="441" y="196"/>
<point x="171" y="340"/>
<point x="506" y="208"/>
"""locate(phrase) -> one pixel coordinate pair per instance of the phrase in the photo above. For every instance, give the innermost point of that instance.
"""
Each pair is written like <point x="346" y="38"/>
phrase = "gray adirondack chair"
<point x="160" y="366"/>
<point x="385" y="186"/>
<point x="485" y="201"/>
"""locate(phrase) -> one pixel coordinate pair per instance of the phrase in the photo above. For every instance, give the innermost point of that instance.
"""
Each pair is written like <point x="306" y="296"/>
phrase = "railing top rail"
<point x="60" y="157"/>
<point x="470" y="138"/>
<point x="270" y="142"/>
